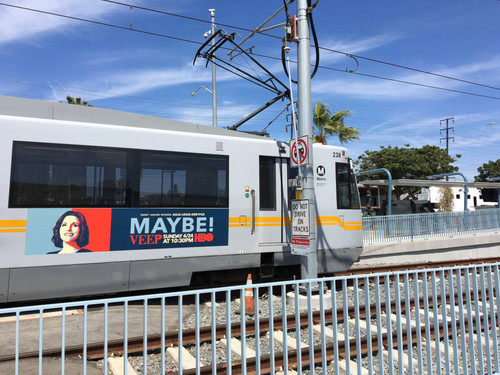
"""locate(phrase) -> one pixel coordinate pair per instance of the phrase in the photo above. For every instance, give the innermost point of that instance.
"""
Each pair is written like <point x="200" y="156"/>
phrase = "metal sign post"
<point x="309" y="265"/>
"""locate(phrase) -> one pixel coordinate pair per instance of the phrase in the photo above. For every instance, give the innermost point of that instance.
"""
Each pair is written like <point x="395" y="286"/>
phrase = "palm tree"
<point x="77" y="101"/>
<point x="326" y="124"/>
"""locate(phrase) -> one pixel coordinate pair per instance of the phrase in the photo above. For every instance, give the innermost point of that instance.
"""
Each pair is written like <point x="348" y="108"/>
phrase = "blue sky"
<point x="47" y="57"/>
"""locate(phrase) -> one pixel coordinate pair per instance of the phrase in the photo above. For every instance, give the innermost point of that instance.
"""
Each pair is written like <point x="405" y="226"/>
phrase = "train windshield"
<point x="347" y="190"/>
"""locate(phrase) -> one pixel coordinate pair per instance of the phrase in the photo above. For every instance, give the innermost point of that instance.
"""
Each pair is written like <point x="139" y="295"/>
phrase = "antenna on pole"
<point x="214" y="79"/>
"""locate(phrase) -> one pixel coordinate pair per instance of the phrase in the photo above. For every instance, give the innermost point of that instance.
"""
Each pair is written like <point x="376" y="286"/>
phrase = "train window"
<point x="347" y="191"/>
<point x="53" y="175"/>
<point x="267" y="183"/>
<point x="174" y="179"/>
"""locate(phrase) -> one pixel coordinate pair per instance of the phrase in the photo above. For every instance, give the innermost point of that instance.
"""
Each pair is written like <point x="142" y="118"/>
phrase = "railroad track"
<point x="385" y="326"/>
<point x="345" y="348"/>
<point x="414" y="266"/>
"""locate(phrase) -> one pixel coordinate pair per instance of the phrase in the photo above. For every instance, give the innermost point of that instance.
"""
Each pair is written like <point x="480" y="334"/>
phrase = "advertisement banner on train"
<point x="83" y="230"/>
<point x="150" y="229"/>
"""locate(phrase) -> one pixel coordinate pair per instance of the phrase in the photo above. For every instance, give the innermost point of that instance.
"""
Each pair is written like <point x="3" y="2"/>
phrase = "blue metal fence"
<point x="433" y="321"/>
<point x="400" y="228"/>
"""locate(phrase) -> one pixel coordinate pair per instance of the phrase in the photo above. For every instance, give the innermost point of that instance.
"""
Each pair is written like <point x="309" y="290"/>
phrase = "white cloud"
<point x="368" y="88"/>
<point x="20" y="24"/>
<point x="352" y="46"/>
<point x="492" y="65"/>
<point x="131" y="82"/>
<point x="226" y="115"/>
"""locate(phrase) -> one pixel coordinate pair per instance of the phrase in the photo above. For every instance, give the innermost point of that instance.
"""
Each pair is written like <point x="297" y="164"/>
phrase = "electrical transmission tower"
<point x="447" y="130"/>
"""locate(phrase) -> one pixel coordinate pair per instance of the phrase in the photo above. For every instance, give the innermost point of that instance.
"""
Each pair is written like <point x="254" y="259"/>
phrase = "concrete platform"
<point x="432" y="250"/>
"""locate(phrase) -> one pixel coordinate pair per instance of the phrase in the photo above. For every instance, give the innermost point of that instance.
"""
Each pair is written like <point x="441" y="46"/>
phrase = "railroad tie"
<point x="473" y="317"/>
<point x="373" y="332"/>
<point x="363" y="325"/>
<point x="290" y="372"/>
<point x="328" y="332"/>
<point x="188" y="361"/>
<point x="353" y="368"/>
<point x="442" y="348"/>
<point x="394" y="320"/>
<point x="117" y="368"/>
<point x="236" y="348"/>
<point x="291" y="342"/>
<point x="342" y="363"/>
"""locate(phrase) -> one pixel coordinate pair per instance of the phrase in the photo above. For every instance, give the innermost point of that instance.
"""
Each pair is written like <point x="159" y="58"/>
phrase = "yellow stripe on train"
<point x="12" y="226"/>
<point x="245" y="221"/>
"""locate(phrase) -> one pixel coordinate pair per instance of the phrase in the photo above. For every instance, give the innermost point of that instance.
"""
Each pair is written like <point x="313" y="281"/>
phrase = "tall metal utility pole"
<point x="309" y="263"/>
<point x="214" y="83"/>
<point x="447" y="132"/>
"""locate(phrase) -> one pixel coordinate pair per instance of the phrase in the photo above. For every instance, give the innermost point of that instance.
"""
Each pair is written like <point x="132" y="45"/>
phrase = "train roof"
<point x="12" y="106"/>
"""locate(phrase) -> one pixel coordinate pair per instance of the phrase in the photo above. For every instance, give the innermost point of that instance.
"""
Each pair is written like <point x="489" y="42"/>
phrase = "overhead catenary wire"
<point x="129" y="28"/>
<point x="246" y="29"/>
<point x="270" y="57"/>
<point x="195" y="42"/>
<point x="394" y="80"/>
<point x="410" y="68"/>
<point x="315" y="45"/>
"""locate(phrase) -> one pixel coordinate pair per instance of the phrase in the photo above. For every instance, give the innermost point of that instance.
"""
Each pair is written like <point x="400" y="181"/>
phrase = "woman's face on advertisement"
<point x="70" y="228"/>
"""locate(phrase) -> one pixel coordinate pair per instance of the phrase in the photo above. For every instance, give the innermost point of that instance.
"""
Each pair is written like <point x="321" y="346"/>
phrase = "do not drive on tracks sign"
<point x="300" y="244"/>
<point x="299" y="153"/>
<point x="300" y="218"/>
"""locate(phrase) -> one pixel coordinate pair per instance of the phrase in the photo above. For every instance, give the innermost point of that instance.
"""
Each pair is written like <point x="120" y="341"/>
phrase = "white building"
<point x="474" y="197"/>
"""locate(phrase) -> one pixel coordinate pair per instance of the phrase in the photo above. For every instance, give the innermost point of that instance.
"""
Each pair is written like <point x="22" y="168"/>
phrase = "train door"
<point x="271" y="201"/>
<point x="271" y="210"/>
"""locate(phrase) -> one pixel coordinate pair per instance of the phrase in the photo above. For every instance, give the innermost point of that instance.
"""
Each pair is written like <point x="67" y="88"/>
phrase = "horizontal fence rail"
<point x="433" y="321"/>
<point x="401" y="228"/>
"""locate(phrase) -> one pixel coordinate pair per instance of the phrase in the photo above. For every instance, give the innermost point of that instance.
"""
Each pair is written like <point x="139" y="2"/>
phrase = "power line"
<point x="100" y="23"/>
<point x="320" y="47"/>
<point x="413" y="83"/>
<point x="182" y="16"/>
<point x="410" y="68"/>
<point x="259" y="55"/>
<point x="395" y="80"/>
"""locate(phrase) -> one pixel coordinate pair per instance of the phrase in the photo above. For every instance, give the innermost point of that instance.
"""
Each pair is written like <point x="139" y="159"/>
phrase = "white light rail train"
<point x="97" y="202"/>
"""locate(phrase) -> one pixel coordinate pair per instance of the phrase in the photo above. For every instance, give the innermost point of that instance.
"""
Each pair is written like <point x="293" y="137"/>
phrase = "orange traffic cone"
<point x="249" y="303"/>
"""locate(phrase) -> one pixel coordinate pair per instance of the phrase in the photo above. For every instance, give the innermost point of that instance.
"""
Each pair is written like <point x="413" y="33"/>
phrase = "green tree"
<point x="488" y="170"/>
<point x="407" y="162"/>
<point x="76" y="101"/>
<point x="326" y="124"/>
